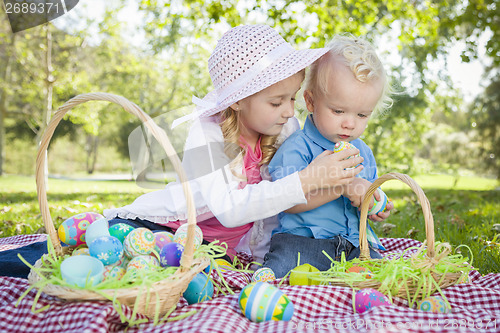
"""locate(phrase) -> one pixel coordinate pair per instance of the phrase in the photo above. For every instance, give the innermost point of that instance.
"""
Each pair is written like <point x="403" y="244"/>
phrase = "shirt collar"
<point x="312" y="132"/>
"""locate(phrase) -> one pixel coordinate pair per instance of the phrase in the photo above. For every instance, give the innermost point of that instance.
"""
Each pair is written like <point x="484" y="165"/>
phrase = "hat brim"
<point x="279" y="70"/>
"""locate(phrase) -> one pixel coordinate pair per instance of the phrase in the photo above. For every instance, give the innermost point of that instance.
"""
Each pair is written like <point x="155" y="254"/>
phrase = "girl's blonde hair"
<point x="361" y="58"/>
<point x="230" y="126"/>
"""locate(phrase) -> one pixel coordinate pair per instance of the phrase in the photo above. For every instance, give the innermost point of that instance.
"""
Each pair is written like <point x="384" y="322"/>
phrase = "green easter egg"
<point x="300" y="275"/>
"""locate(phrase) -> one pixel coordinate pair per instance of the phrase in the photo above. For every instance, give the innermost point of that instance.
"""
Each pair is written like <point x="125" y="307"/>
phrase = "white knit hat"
<point x="246" y="60"/>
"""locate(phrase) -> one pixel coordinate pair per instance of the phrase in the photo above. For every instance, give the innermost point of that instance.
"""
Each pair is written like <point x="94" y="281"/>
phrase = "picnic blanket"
<point x="476" y="308"/>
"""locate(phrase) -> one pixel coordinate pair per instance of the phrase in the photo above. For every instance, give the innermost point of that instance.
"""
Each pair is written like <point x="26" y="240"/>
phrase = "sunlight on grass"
<point x="448" y="182"/>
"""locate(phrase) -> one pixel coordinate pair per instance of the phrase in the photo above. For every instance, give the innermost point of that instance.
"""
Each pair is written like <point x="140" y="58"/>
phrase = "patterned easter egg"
<point x="72" y="231"/>
<point x="107" y="249"/>
<point x="365" y="299"/>
<point x="114" y="272"/>
<point x="181" y="235"/>
<point x="170" y="254"/>
<point x="120" y="231"/>
<point x="161" y="239"/>
<point x="342" y="145"/>
<point x="434" y="304"/>
<point x="260" y="301"/>
<point x="263" y="274"/>
<point x="223" y="265"/>
<point x="140" y="241"/>
<point x="378" y="206"/>
<point x="81" y="251"/>
<point x="142" y="264"/>
<point x="361" y="270"/>
<point x="199" y="289"/>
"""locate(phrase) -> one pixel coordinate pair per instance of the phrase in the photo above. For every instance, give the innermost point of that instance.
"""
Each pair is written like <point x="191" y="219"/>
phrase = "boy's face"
<point x="343" y="113"/>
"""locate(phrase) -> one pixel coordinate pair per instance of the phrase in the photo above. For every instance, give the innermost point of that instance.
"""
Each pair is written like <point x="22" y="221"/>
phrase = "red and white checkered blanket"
<point x="476" y="308"/>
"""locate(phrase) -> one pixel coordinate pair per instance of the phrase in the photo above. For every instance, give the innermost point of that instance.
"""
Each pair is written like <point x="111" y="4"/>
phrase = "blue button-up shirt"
<point x="337" y="217"/>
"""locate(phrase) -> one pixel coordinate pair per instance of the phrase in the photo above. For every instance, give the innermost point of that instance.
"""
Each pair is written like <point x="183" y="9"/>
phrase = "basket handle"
<point x="159" y="135"/>
<point x="424" y="203"/>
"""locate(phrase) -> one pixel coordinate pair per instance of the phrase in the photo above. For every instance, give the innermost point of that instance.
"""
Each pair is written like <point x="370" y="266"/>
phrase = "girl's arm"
<point x="316" y="199"/>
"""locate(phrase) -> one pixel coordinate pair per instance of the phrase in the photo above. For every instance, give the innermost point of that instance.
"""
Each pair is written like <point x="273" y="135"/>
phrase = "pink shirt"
<point x="211" y="227"/>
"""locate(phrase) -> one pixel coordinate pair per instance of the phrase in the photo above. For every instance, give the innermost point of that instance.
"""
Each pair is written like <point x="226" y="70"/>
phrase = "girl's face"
<point x="342" y="114"/>
<point x="268" y="110"/>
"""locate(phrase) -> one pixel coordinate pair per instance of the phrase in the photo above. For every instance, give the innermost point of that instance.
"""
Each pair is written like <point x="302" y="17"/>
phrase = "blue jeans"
<point x="283" y="252"/>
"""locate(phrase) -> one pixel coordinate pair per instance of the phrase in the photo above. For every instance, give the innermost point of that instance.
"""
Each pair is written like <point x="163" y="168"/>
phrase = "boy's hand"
<point x="356" y="190"/>
<point x="382" y="215"/>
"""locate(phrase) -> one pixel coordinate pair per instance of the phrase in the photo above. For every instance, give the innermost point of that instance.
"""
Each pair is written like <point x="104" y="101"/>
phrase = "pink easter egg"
<point x="365" y="299"/>
<point x="72" y="231"/>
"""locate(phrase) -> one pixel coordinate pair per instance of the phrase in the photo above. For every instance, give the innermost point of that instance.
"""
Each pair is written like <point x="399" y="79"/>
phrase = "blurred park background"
<point x="444" y="128"/>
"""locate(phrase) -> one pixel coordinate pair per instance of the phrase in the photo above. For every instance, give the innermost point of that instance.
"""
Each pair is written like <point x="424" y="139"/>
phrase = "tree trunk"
<point x="49" y="83"/>
<point x="92" y="145"/>
<point x="6" y="77"/>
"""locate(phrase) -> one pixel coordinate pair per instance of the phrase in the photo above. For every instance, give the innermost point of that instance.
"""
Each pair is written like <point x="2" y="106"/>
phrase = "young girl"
<point x="256" y="75"/>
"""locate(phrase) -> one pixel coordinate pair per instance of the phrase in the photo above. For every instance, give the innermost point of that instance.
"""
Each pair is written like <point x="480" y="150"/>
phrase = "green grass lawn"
<point x="464" y="214"/>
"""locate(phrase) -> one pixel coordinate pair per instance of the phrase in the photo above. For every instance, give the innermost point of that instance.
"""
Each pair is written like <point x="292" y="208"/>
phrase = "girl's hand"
<point x="329" y="170"/>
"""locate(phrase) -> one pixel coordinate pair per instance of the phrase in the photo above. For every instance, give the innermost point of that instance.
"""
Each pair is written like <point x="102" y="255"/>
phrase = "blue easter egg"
<point x="260" y="301"/>
<point x="170" y="254"/>
<point x="199" y="289"/>
<point x="107" y="249"/>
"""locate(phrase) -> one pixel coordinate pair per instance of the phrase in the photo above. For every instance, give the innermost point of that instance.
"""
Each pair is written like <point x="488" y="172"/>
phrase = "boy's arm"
<point x="316" y="199"/>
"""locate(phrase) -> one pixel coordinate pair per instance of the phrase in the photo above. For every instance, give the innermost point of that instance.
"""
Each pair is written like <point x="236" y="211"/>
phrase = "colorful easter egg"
<point x="81" y="251"/>
<point x="434" y="304"/>
<point x="260" y="301"/>
<point x="304" y="275"/>
<point x="342" y="145"/>
<point x="223" y="265"/>
<point x="263" y="274"/>
<point x="142" y="264"/>
<point x="107" y="249"/>
<point x="365" y="299"/>
<point x="199" y="289"/>
<point x="361" y="270"/>
<point x="113" y="272"/>
<point x="378" y="206"/>
<point x="120" y="231"/>
<point x="140" y="241"/>
<point x="162" y="238"/>
<point x="96" y="229"/>
<point x="170" y="254"/>
<point x="123" y="261"/>
<point x="72" y="231"/>
<point x="181" y="235"/>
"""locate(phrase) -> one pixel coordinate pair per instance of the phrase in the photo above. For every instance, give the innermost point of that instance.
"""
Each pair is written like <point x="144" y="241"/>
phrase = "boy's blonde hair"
<point x="361" y="58"/>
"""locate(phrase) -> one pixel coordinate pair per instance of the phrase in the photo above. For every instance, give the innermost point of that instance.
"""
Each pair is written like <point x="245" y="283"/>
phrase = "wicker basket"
<point x="163" y="295"/>
<point x="432" y="257"/>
